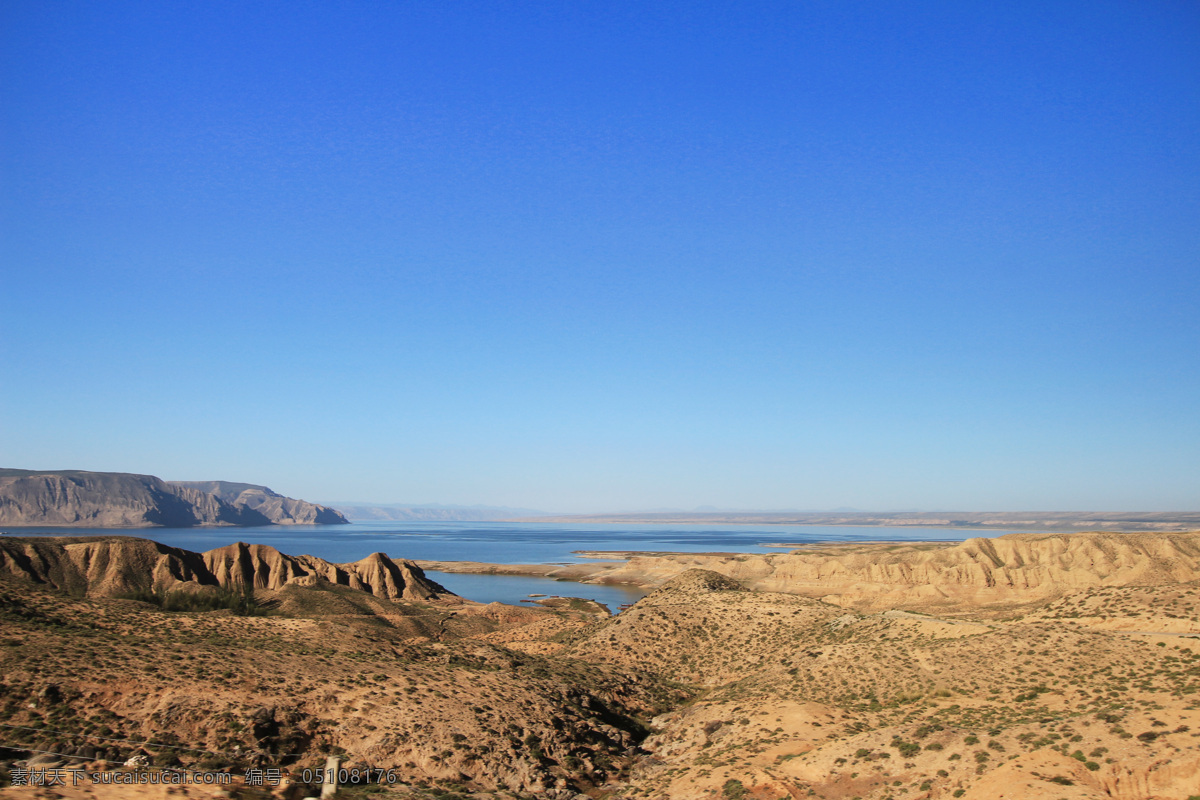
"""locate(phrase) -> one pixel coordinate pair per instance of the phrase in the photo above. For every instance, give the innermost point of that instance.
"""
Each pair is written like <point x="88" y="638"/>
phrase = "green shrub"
<point x="243" y="603"/>
<point x="733" y="789"/>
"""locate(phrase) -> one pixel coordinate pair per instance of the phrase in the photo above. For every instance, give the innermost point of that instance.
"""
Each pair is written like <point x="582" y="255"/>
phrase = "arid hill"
<point x="77" y="498"/>
<point x="122" y="565"/>
<point x="978" y="572"/>
<point x="1017" y="567"/>
<point x="806" y="699"/>
<point x="332" y="659"/>
<point x="707" y="689"/>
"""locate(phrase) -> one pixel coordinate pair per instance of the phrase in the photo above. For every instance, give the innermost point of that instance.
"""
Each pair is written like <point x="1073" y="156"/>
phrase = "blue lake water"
<point x="514" y="543"/>
<point x="515" y="589"/>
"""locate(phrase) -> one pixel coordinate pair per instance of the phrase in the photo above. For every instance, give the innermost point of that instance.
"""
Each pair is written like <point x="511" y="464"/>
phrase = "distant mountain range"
<point x="1004" y="520"/>
<point x="78" y="498"/>
<point x="433" y="512"/>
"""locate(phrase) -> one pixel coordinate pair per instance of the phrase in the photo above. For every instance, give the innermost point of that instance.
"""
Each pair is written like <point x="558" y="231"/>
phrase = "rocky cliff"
<point x="118" y="565"/>
<point x="111" y="500"/>
<point x="77" y="498"/>
<point x="275" y="507"/>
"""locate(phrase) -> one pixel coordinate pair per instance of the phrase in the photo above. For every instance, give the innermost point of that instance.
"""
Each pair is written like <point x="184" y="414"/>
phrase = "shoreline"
<point x="1010" y="521"/>
<point x="579" y="573"/>
<point x="655" y="567"/>
<point x="986" y="570"/>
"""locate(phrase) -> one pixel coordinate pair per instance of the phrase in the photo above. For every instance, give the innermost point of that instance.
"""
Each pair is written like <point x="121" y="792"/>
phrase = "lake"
<point x="514" y="543"/>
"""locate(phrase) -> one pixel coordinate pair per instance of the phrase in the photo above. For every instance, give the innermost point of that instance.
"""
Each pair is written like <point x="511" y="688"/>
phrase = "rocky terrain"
<point x="76" y="498"/>
<point x="1063" y="667"/>
<point x="117" y="566"/>
<point x="113" y="642"/>
<point x="275" y="507"/>
<point x="805" y="699"/>
<point x="976" y="573"/>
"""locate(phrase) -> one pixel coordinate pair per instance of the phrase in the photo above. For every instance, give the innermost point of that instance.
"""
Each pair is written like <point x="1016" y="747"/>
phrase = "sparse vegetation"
<point x="243" y="603"/>
<point x="749" y="690"/>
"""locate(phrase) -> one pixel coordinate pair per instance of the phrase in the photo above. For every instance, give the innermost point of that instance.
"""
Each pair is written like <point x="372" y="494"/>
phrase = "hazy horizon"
<point x="609" y="256"/>
<point x="705" y="509"/>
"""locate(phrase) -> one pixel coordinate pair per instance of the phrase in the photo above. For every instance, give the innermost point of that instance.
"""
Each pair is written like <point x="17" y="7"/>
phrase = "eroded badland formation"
<point x="1029" y="666"/>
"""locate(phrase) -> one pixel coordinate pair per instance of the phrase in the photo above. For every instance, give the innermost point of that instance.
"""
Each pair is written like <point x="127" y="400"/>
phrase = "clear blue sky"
<point x="604" y="256"/>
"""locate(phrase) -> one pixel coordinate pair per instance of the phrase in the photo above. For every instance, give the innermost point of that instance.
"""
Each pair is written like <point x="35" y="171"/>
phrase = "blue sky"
<point x="582" y="257"/>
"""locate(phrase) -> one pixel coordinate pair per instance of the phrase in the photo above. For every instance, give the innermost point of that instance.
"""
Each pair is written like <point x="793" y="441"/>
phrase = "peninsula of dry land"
<point x="1048" y="666"/>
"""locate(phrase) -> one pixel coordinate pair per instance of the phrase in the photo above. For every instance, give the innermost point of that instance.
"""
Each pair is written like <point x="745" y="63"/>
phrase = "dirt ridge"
<point x="117" y="565"/>
<point x="979" y="570"/>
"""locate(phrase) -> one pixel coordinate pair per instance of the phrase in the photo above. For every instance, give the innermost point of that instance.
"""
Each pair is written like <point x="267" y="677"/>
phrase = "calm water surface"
<point x="514" y="543"/>
<point x="516" y="589"/>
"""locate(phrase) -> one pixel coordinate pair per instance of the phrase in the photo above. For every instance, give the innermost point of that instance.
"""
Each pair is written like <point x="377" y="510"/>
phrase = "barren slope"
<point x="806" y="699"/>
<point x="396" y="685"/>
<point x="1016" y="567"/>
<point x="121" y="565"/>
<point x="1076" y="674"/>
